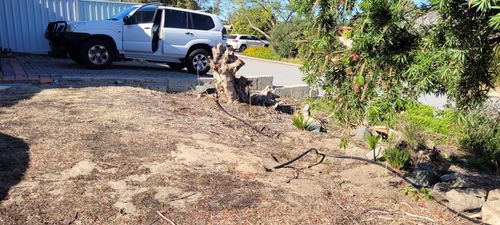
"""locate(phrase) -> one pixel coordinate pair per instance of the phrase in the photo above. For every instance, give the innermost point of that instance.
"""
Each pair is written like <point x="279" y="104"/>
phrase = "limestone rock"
<point x="439" y="190"/>
<point x="361" y="133"/>
<point x="424" y="178"/>
<point x="491" y="212"/>
<point x="494" y="194"/>
<point x="491" y="208"/>
<point x="457" y="180"/>
<point x="463" y="200"/>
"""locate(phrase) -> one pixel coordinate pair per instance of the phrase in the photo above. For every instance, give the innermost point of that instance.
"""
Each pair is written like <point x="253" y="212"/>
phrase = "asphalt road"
<point x="283" y="74"/>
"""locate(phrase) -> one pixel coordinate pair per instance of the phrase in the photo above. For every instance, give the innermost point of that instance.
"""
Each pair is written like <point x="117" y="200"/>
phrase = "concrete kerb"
<point x="187" y="83"/>
<point x="261" y="82"/>
<point x="296" y="92"/>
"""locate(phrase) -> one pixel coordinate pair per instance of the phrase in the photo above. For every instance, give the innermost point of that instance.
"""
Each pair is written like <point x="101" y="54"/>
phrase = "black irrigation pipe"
<point x="323" y="156"/>
<point x="239" y="119"/>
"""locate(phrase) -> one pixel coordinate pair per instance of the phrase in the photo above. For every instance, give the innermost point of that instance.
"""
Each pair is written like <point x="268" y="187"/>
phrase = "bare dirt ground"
<point x="117" y="155"/>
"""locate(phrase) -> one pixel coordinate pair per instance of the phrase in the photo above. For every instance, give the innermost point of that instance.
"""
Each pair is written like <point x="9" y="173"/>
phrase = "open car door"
<point x="138" y="29"/>
<point x="156" y="30"/>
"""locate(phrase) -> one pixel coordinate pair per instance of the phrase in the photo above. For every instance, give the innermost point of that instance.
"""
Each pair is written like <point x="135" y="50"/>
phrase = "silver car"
<point x="243" y="41"/>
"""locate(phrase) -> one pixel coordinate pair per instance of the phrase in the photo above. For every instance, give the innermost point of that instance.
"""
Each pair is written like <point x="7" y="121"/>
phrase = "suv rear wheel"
<point x="96" y="53"/>
<point x="197" y="62"/>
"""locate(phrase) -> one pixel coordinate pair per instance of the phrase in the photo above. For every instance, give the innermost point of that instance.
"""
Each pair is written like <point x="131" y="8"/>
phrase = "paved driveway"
<point x="37" y="67"/>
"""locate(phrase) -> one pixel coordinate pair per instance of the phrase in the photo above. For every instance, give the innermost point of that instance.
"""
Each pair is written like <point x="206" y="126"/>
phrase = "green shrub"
<point x="431" y="119"/>
<point x="261" y="52"/>
<point x="320" y="104"/>
<point x="481" y="141"/>
<point x="414" y="134"/>
<point x="397" y="158"/>
<point x="301" y="122"/>
<point x="285" y="36"/>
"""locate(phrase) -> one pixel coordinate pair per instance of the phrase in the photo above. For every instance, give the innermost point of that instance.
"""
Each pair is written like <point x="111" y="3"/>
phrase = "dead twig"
<point x="183" y="197"/>
<point x="421" y="217"/>
<point x="239" y="119"/>
<point x="165" y="218"/>
<point x="74" y="219"/>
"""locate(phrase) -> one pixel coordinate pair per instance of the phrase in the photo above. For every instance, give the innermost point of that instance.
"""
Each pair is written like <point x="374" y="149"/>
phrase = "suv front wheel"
<point x="197" y="62"/>
<point x="96" y="53"/>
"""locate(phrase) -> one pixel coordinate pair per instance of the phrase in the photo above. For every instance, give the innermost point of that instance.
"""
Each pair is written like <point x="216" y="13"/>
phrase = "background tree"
<point x="259" y="15"/>
<point x="390" y="63"/>
<point x="455" y="57"/>
<point x="286" y="36"/>
<point x="261" y="24"/>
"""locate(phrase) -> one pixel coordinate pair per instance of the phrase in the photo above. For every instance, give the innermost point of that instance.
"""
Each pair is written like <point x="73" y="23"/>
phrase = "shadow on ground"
<point x="14" y="160"/>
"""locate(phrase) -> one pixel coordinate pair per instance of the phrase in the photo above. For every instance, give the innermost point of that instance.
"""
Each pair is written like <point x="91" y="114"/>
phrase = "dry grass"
<point x="117" y="155"/>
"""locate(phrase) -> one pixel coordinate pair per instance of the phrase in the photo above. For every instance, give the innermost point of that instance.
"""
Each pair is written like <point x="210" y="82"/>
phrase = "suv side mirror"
<point x="127" y="20"/>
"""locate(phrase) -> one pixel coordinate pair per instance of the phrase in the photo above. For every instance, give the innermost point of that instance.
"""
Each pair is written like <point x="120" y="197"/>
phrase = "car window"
<point x="144" y="15"/>
<point x="231" y="37"/>
<point x="201" y="22"/>
<point x="254" y="38"/>
<point x="176" y="19"/>
<point x="243" y="37"/>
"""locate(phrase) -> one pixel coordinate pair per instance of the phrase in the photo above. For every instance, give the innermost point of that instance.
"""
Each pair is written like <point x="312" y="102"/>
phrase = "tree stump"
<point x="225" y="65"/>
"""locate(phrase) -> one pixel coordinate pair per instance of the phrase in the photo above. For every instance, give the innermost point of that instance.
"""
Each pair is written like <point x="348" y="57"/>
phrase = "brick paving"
<point x="43" y="69"/>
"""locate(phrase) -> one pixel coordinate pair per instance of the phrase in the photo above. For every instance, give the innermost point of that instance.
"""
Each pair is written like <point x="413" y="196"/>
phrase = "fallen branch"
<point x="165" y="218"/>
<point x="421" y="217"/>
<point x="259" y="131"/>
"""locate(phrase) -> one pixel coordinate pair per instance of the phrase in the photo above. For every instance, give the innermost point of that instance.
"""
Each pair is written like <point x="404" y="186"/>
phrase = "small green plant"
<point x="415" y="193"/>
<point x="372" y="141"/>
<point x="397" y="158"/>
<point x="301" y="122"/>
<point x="344" y="142"/>
<point x="261" y="52"/>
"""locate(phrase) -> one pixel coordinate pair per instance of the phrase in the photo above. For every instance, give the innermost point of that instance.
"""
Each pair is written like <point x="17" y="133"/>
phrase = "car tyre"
<point x="242" y="48"/>
<point x="176" y="66"/>
<point x="197" y="62"/>
<point x="96" y="53"/>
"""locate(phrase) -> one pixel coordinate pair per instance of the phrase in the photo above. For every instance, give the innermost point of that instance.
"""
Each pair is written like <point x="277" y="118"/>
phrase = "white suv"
<point x="179" y="37"/>
<point x="243" y="41"/>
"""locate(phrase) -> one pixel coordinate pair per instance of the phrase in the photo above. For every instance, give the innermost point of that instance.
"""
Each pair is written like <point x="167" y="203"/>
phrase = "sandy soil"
<point x="117" y="155"/>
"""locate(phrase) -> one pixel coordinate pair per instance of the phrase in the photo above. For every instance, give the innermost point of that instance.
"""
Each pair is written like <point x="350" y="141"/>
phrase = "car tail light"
<point x="224" y="34"/>
<point x="236" y="41"/>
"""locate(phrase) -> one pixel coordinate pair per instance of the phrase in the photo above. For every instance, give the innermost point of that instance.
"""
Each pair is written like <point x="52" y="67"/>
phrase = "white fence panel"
<point x="100" y="10"/>
<point x="23" y="22"/>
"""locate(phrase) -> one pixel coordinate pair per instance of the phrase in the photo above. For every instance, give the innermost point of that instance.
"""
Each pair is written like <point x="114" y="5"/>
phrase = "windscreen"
<point x="123" y="13"/>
